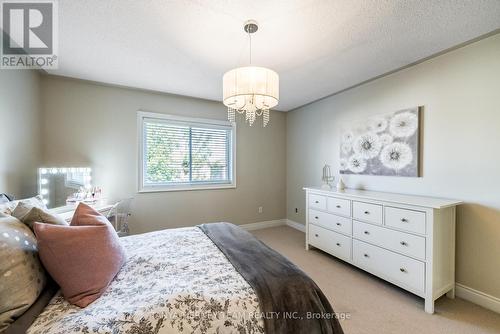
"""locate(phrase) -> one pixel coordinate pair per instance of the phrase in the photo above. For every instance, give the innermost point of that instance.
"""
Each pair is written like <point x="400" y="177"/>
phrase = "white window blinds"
<point x="186" y="153"/>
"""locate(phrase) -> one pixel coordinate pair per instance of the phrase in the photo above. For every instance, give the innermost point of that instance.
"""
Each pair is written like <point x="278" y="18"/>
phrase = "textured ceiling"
<point x="317" y="46"/>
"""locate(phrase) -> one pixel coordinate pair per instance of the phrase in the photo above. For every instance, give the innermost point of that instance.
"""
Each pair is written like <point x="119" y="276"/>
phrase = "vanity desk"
<point x="67" y="212"/>
<point x="406" y="240"/>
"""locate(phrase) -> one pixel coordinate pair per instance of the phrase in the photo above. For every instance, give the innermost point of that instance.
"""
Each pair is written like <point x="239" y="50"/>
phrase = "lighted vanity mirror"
<point x="58" y="184"/>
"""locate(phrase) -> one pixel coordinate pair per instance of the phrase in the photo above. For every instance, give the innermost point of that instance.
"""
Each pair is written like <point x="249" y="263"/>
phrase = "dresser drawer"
<point x="397" y="268"/>
<point x="331" y="242"/>
<point x="368" y="212"/>
<point x="339" y="206"/>
<point x="317" y="202"/>
<point x="401" y="242"/>
<point x="330" y="221"/>
<point x="407" y="220"/>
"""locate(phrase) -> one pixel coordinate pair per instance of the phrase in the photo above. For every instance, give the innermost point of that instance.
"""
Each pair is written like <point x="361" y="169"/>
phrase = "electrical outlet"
<point x="260" y="209"/>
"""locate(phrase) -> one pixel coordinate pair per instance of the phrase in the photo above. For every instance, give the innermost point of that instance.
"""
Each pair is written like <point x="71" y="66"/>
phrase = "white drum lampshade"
<point x="251" y="89"/>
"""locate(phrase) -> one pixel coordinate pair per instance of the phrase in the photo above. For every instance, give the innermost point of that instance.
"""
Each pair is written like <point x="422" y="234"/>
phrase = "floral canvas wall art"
<point x="382" y="145"/>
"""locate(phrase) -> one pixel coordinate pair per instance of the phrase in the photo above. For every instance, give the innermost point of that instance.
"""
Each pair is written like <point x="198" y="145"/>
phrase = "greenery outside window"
<point x="181" y="153"/>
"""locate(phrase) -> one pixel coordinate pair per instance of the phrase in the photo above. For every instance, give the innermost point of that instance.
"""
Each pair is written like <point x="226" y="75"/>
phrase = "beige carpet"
<point x="376" y="306"/>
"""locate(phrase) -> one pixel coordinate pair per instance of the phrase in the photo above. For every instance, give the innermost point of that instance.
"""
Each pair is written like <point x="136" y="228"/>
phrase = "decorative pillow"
<point x="4" y="199"/>
<point x="82" y="258"/>
<point x="24" y="206"/>
<point x="31" y="214"/>
<point x="9" y="207"/>
<point x="22" y="276"/>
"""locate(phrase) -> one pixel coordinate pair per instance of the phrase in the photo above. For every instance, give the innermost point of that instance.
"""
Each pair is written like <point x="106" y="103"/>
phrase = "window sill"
<point x="156" y="189"/>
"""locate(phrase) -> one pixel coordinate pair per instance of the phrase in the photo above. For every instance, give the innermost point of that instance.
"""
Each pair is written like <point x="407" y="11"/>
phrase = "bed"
<point x="188" y="280"/>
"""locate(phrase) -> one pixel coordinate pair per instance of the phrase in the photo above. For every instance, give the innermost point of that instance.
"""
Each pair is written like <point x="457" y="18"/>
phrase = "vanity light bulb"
<point x="54" y="171"/>
<point x="44" y="181"/>
<point x="63" y="170"/>
<point x="44" y="191"/>
<point x="45" y="201"/>
<point x="43" y="171"/>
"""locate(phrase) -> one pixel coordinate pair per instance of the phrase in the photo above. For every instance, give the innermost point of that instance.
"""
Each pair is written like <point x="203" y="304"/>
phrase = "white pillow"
<point x="7" y="208"/>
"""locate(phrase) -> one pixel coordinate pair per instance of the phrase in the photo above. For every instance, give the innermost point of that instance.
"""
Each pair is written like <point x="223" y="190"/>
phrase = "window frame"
<point x="187" y="186"/>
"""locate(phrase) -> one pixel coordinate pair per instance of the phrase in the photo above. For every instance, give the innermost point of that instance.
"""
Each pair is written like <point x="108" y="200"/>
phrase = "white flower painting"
<point x="367" y="145"/>
<point x="382" y="145"/>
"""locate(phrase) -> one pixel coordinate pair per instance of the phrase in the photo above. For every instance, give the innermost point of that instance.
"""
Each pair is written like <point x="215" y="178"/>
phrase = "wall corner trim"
<point x="273" y="223"/>
<point x="295" y="225"/>
<point x="477" y="297"/>
<point x="263" y="224"/>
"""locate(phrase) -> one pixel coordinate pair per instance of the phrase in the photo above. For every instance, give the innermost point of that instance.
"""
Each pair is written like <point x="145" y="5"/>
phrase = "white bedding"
<point x="174" y="281"/>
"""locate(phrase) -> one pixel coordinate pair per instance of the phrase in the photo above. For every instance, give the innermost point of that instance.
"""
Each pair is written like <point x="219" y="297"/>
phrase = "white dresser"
<point x="406" y="240"/>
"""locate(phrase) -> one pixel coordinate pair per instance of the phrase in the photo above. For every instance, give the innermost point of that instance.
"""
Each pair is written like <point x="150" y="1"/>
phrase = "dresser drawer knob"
<point x="403" y="270"/>
<point x="404" y="220"/>
<point x="366" y="255"/>
<point x="316" y="217"/>
<point x="367" y="212"/>
<point x="338" y="206"/>
<point x="339" y="224"/>
<point x="404" y="243"/>
<point x="316" y="235"/>
<point x="317" y="202"/>
<point x="366" y="232"/>
<point x="338" y="244"/>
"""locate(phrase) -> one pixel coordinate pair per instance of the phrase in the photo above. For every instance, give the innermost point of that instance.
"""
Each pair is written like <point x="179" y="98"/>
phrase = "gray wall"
<point x="90" y="124"/>
<point x="461" y="158"/>
<point x="83" y="123"/>
<point x="19" y="130"/>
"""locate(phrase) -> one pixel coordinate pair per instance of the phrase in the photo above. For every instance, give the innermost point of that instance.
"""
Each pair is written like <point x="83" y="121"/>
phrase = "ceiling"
<point x="318" y="47"/>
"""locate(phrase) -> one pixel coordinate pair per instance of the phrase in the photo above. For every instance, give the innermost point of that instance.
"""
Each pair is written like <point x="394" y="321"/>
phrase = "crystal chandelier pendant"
<point x="251" y="90"/>
<point x="231" y="114"/>
<point x="265" y="117"/>
<point x="250" y="114"/>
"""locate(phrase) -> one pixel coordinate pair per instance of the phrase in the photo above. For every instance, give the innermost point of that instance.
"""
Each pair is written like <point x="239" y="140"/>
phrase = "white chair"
<point x="119" y="215"/>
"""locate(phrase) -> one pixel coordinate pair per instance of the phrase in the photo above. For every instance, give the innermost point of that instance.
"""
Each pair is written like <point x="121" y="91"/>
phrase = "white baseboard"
<point x="477" y="297"/>
<point x="274" y="223"/>
<point x="295" y="225"/>
<point x="264" y="224"/>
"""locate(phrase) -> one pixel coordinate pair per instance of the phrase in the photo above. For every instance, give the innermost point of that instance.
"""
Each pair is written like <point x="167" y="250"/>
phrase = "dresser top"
<point x="423" y="201"/>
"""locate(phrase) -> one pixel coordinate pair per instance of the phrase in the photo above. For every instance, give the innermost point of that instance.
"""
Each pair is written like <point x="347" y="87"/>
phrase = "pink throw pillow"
<point x="82" y="258"/>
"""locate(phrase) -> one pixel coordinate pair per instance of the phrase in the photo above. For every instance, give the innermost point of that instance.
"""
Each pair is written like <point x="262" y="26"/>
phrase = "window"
<point x="180" y="153"/>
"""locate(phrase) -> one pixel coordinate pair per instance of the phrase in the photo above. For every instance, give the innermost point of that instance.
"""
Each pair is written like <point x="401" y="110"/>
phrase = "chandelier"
<point x="251" y="90"/>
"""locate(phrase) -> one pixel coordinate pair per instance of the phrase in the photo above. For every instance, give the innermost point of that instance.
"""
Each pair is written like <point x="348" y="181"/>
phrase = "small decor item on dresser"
<point x="327" y="178"/>
<point x="382" y="145"/>
<point x="340" y="184"/>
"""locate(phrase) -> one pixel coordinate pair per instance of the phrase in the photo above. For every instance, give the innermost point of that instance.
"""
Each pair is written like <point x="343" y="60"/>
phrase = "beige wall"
<point x="460" y="92"/>
<point x="90" y="124"/>
<point x="19" y="132"/>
